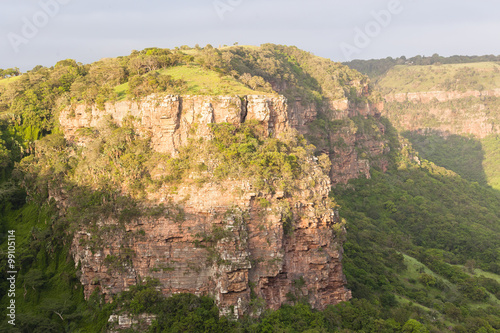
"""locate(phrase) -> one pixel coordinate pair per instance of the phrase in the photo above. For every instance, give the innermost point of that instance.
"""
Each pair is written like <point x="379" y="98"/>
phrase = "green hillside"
<point x="491" y="147"/>
<point x="462" y="149"/>
<point x="451" y="77"/>
<point x="422" y="250"/>
<point x="474" y="159"/>
<point x="375" y="68"/>
<point x="198" y="81"/>
<point x="457" y="175"/>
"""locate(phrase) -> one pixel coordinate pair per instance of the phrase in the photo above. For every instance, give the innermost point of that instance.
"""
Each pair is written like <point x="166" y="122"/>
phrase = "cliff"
<point x="440" y="96"/>
<point x="225" y="239"/>
<point x="221" y="242"/>
<point x="470" y="112"/>
<point x="171" y="121"/>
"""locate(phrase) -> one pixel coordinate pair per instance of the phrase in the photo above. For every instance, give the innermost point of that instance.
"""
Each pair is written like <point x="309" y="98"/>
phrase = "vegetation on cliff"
<point x="111" y="178"/>
<point x="452" y="116"/>
<point x="33" y="99"/>
<point x="422" y="246"/>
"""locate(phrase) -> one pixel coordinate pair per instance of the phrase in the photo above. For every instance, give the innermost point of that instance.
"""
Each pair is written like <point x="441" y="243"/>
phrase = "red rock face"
<point x="217" y="240"/>
<point x="227" y="246"/>
<point x="440" y="96"/>
<point x="346" y="162"/>
<point x="171" y="120"/>
<point x="476" y="119"/>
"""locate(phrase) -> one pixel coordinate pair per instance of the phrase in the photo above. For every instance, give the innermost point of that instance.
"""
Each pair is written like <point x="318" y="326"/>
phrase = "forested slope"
<point x="422" y="245"/>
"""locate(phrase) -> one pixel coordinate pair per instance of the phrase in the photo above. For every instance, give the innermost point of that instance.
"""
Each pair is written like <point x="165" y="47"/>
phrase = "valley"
<point x="252" y="189"/>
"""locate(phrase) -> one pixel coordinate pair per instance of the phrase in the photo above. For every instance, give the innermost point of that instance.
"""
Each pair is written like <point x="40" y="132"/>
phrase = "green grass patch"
<point x="4" y="82"/>
<point x="201" y="81"/>
<point x="191" y="52"/>
<point x="404" y="300"/>
<point x="491" y="148"/>
<point x="489" y="275"/>
<point x="122" y="91"/>
<point x="250" y="47"/>
<point x="417" y="271"/>
<point x="415" y="268"/>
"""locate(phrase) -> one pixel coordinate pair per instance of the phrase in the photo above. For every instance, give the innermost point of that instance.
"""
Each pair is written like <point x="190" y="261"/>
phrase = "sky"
<point x="42" y="32"/>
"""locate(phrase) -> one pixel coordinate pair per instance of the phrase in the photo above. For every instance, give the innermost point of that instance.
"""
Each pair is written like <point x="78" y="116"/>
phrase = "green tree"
<point x="413" y="326"/>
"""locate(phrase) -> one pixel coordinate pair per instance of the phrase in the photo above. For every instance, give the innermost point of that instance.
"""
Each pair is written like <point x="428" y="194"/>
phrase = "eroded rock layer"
<point x="470" y="112"/>
<point x="173" y="119"/>
<point x="218" y="239"/>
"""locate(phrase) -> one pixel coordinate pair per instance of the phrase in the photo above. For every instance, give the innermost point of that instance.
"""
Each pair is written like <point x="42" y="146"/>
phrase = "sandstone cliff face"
<point x="441" y="96"/>
<point x="218" y="240"/>
<point x="171" y="120"/>
<point x="470" y="112"/>
<point x="347" y="162"/>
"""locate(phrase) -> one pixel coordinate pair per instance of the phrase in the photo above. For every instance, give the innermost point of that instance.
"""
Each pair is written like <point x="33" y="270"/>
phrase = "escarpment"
<point x="471" y="112"/>
<point x="171" y="121"/>
<point x="247" y="247"/>
<point x="221" y="241"/>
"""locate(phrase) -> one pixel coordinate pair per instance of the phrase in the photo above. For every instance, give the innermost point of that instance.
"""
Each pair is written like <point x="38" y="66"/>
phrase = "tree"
<point x="413" y="326"/>
<point x="4" y="154"/>
<point x="9" y="72"/>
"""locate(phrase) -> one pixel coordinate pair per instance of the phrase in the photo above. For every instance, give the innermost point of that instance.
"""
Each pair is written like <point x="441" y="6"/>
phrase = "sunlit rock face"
<point x="217" y="239"/>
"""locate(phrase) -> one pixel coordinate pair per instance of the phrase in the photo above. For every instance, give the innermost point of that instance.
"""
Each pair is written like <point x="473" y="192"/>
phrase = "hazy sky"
<point x="42" y="32"/>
